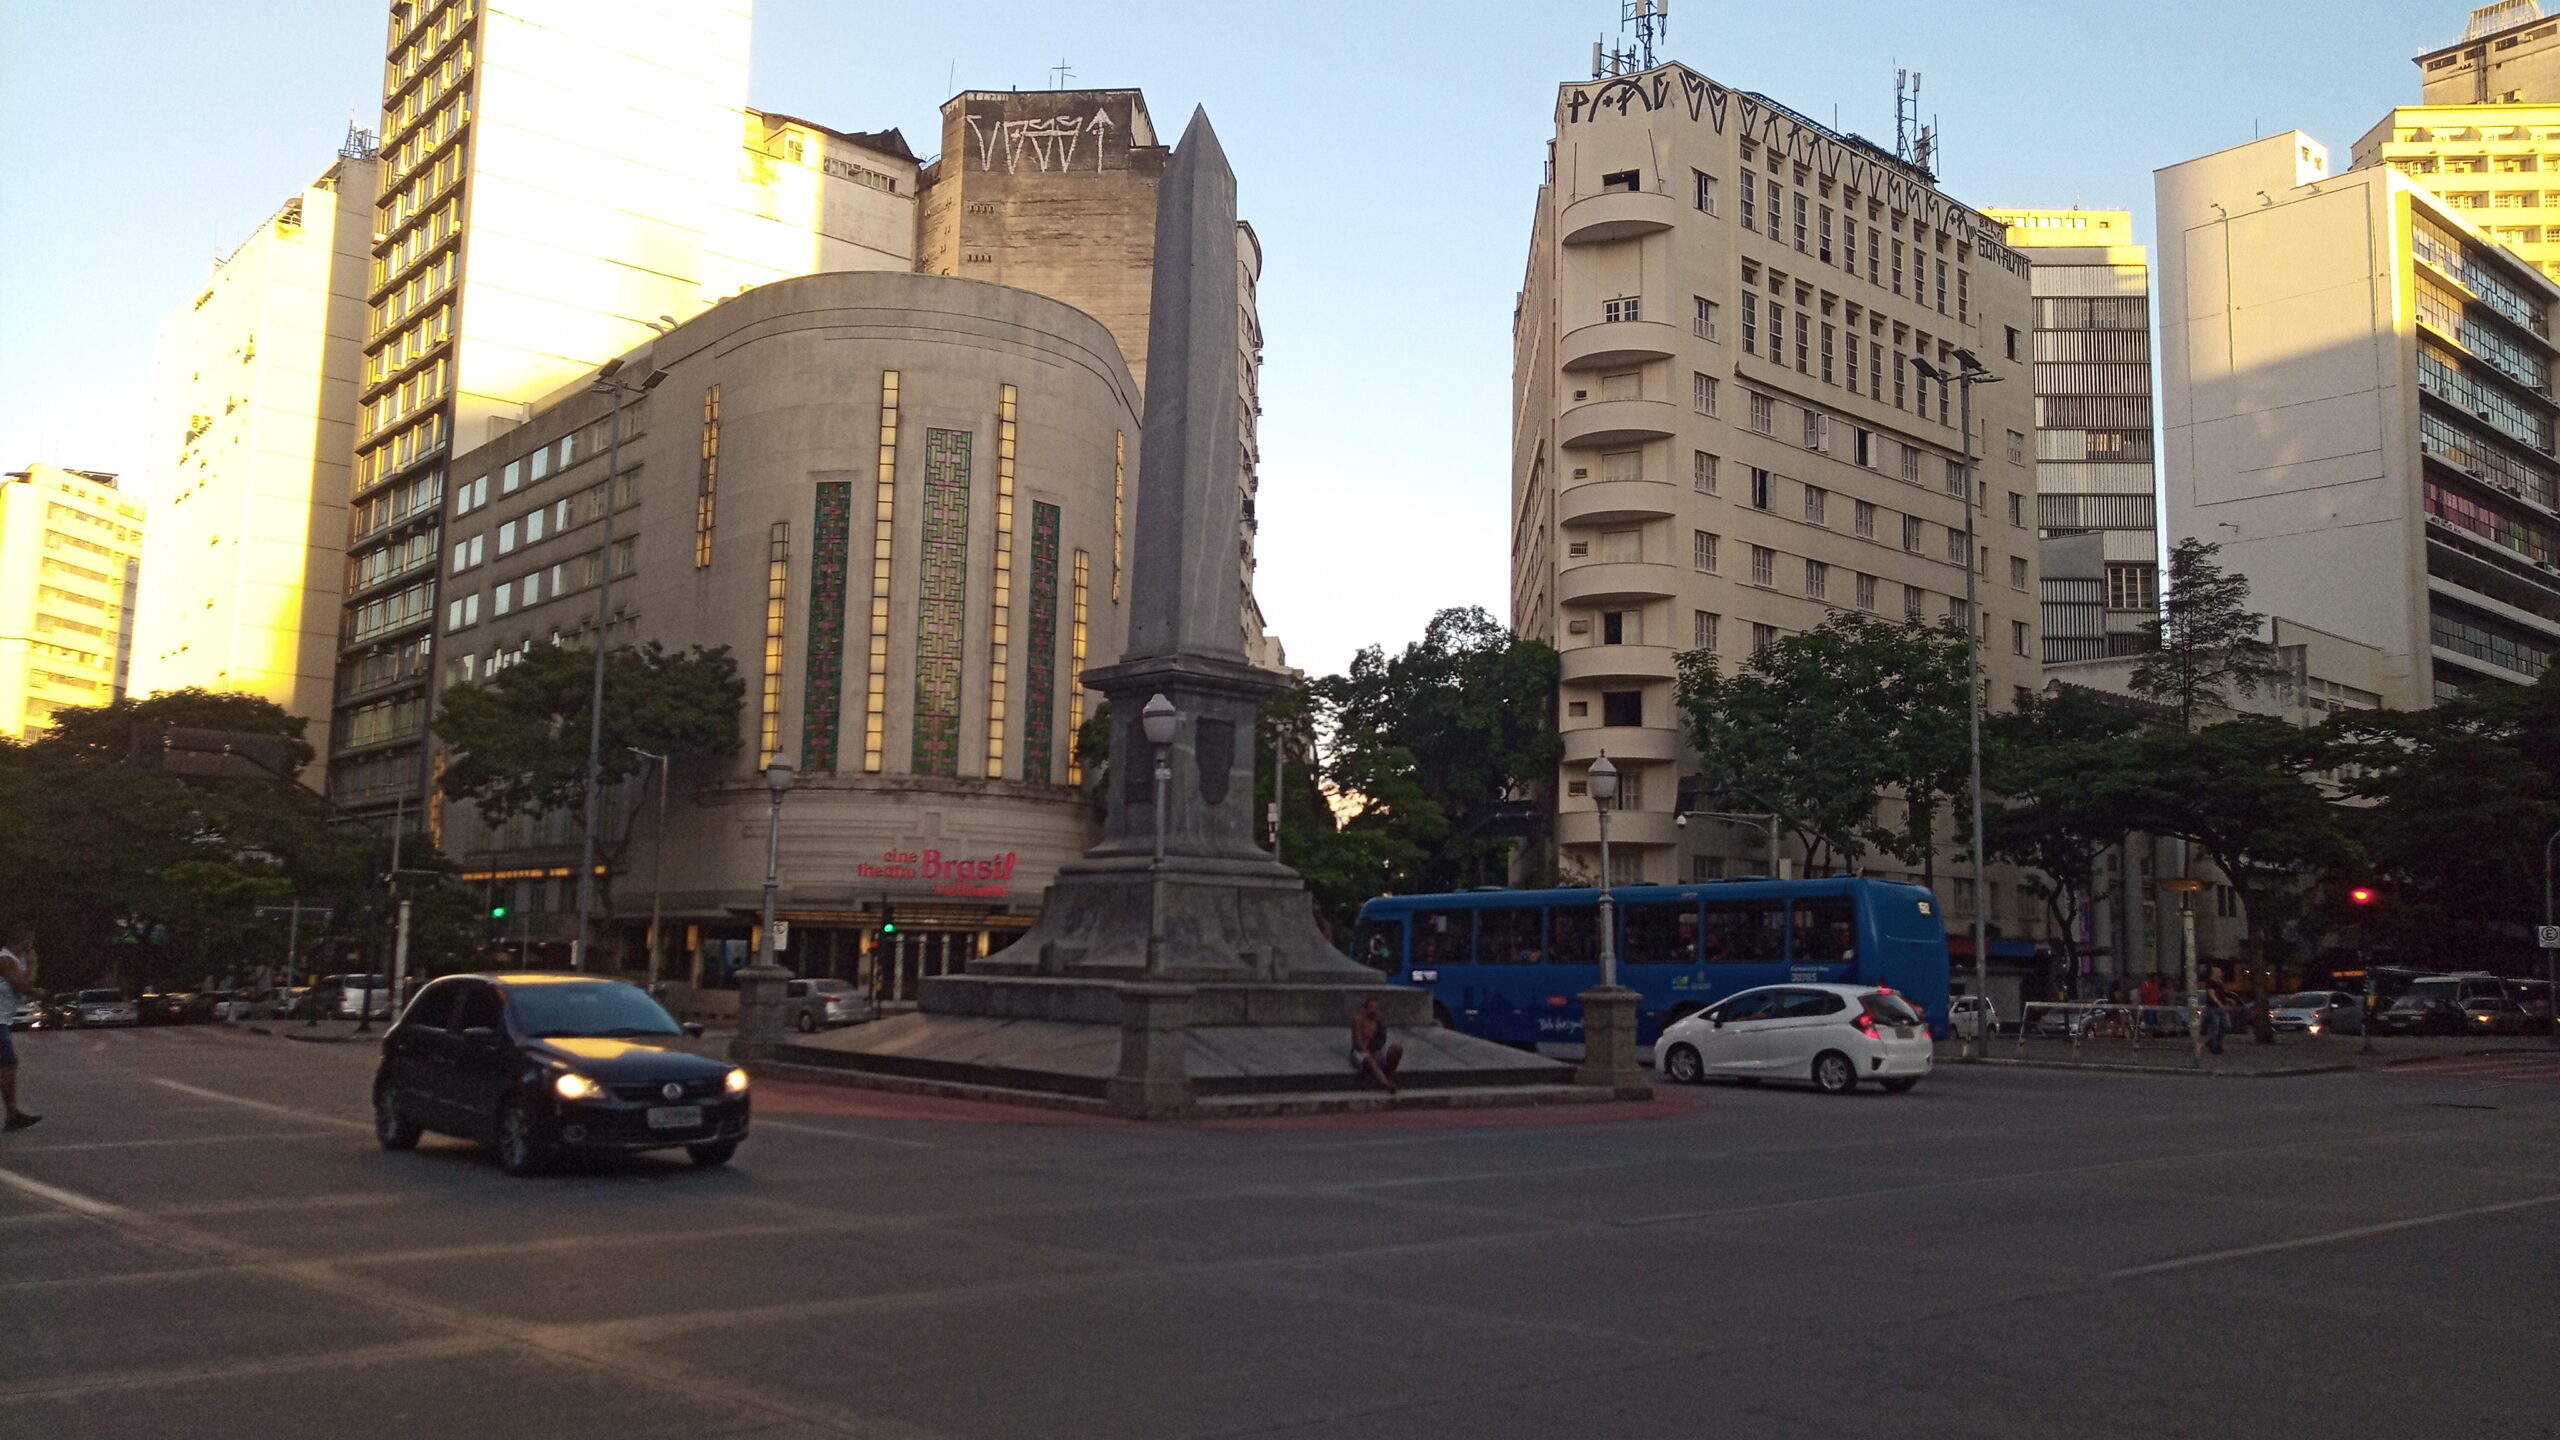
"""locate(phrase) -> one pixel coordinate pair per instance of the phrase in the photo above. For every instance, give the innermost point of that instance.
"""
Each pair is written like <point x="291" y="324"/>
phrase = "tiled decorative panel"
<point x="1040" y="648"/>
<point x="942" y="602"/>
<point x="822" y="710"/>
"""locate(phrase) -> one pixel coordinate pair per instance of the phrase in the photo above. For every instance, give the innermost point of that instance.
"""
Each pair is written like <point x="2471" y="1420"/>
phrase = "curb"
<point x="1245" y="1107"/>
<point x="2288" y="1073"/>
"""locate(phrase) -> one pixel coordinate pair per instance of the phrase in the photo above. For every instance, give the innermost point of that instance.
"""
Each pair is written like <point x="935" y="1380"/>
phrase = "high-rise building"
<point x="2356" y="389"/>
<point x="558" y="180"/>
<point x="2095" y="482"/>
<point x="1054" y="192"/>
<point x="1722" y="433"/>
<point x="2509" y="52"/>
<point x="258" y="382"/>
<point x="70" y="553"/>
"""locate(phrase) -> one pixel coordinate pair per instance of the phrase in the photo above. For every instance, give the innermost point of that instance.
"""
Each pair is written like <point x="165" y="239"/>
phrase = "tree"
<point x="2056" y="770"/>
<point x="519" y="738"/>
<point x="2205" y="649"/>
<point x="1821" y="725"/>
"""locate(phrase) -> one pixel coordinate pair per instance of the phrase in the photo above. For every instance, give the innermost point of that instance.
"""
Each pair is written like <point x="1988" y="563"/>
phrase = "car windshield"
<point x="606" y="1008"/>
<point x="2415" y="1001"/>
<point x="100" y="997"/>
<point x="1891" y="1009"/>
<point x="2308" y="1000"/>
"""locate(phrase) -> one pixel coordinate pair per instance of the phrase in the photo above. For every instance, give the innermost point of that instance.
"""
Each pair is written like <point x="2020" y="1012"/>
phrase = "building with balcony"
<point x="2358" y="409"/>
<point x="2096" y="486"/>
<point x="258" y="382"/>
<point x="895" y="499"/>
<point x="70" y="557"/>
<point x="1720" y="433"/>
<point x="2509" y="52"/>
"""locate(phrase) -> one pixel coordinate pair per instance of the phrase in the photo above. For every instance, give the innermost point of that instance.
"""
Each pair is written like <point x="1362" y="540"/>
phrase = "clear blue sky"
<point x="1388" y="156"/>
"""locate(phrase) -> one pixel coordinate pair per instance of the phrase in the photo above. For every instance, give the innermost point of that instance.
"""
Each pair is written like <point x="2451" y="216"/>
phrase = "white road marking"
<point x="243" y="1101"/>
<point x="403" y="1352"/>
<point x="2334" y="1237"/>
<point x="80" y="1145"/>
<point x="72" y="1201"/>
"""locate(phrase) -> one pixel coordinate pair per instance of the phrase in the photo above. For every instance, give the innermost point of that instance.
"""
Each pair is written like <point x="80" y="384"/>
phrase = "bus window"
<point x="1573" y="936"/>
<point x="1510" y="937"/>
<point x="1382" y="944"/>
<point x="1662" y="934"/>
<point x="1744" y="932"/>
<point x="1826" y="930"/>
<point x="1443" y="937"/>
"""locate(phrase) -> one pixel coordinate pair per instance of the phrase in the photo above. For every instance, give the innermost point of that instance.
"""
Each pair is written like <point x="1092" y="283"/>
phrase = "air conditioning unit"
<point x="1581" y="474"/>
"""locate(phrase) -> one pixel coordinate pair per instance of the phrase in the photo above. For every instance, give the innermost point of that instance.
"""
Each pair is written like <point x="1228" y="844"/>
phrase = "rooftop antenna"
<point x="1063" y="75"/>
<point x="1651" y="22"/>
<point x="1906" y="115"/>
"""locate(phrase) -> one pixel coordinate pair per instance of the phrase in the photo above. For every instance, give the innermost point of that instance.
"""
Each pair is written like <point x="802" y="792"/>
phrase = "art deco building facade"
<point x="70" y="553"/>
<point x="1720" y="434"/>
<point x="2096" y="485"/>
<point x="895" y="498"/>
<point x="247" y="561"/>
<point x="2358" y="409"/>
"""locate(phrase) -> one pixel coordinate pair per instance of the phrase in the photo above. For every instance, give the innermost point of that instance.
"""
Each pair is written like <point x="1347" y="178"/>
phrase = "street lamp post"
<point x="1604" y="794"/>
<point x="605" y="383"/>
<point x="760" y="985"/>
<point x="1160" y="721"/>
<point x="1969" y="373"/>
<point x="2551" y="957"/>
<point x="657" y="864"/>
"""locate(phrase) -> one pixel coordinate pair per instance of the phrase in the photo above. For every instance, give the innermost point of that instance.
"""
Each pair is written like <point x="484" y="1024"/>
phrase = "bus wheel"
<point x="1682" y="1065"/>
<point x="1833" y="1074"/>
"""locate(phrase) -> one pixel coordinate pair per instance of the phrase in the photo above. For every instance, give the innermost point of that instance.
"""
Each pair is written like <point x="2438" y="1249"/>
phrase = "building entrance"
<point x="911" y="956"/>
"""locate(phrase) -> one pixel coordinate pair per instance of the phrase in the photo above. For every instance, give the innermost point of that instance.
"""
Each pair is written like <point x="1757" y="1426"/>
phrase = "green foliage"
<point x="2205" y="649"/>
<point x="2056" y="770"/>
<point x="519" y="739"/>
<point x="1821" y="725"/>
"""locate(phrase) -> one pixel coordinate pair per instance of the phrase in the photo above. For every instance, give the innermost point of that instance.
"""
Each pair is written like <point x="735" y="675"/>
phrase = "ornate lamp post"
<point x="1604" y="796"/>
<point x="760" y="985"/>
<point x="1609" y="1009"/>
<point x="1160" y="721"/>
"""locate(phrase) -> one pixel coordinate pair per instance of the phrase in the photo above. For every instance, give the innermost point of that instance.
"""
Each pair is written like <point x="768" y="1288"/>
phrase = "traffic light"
<point x="497" y="912"/>
<point x="2361" y="895"/>
<point x="888" y="918"/>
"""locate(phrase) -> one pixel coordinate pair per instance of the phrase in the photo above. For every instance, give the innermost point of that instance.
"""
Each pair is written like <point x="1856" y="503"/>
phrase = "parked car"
<point x="226" y="1005"/>
<point x="2318" y="1012"/>
<point x="356" y="996"/>
<point x="539" y="1066"/>
<point x="1967" y="1015"/>
<point x="1832" y="1035"/>
<point x="25" y="1016"/>
<point x="96" y="1008"/>
<point x="2420" y="1012"/>
<point x="811" y="1005"/>
<point x="2495" y="1015"/>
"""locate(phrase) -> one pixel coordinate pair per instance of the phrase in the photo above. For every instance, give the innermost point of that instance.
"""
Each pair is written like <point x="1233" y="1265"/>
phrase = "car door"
<point x="481" y="1062"/>
<point x="1731" y="1044"/>
<point x="1795" y="1032"/>
<point x="413" y="1054"/>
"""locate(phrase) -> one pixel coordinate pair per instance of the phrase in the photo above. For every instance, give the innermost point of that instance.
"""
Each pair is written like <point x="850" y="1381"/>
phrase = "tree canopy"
<point x="519" y="738"/>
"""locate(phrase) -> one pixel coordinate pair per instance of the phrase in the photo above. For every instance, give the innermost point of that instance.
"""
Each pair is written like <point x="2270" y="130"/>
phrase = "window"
<point x="1942" y="286"/>
<point x="533" y="526"/>
<point x="1955" y="610"/>
<point x="1817" y="431"/>
<point x="1901" y="385"/>
<point x="511" y="479"/>
<point x="1897" y="265"/>
<point x="507" y="538"/>
<point x="2017" y="508"/>
<point x="1824" y="250"/>
<point x="1762" y="637"/>
<point x="2017" y="572"/>
<point x="1703" y="394"/>
<point x="1622" y="547"/>
<point x="1625" y="307"/>
<point x="1913" y="598"/>
<point x="1964" y="294"/>
<point x="1706" y="184"/>
<point x="1955" y="477"/>
<point x="1622" y="465"/>
<point x="1817" y="580"/>
<point x="1764" y="565"/>
<point x="1760" y="487"/>
<point x="1829" y="339"/>
<point x="1624" y="708"/>
<point x="1911" y="533"/>
<point x="541" y="464"/>
<point x="1702" y="472"/>
<point x="1622" y="385"/>
<point x="1750" y="323"/>
<point x="1707" y="320"/>
<point x="2017" y="637"/>
<point x="1866" y="592"/>
<point x="1864" y="518"/>
<point x="1911" y="463"/>
<point x="1622" y="627"/>
<point x="1763" y="414"/>
<point x="1957" y="550"/>
<point x="1703" y="628"/>
<point x="503" y="600"/>
<point x="2013" y="341"/>
<point x="1750" y="200"/>
<point x="1817" y="504"/>
<point x="1702" y="552"/>
<point x="1777" y="205"/>
<point x="2133" y="587"/>
<point x="1852" y="354"/>
<point x="2017" y="448"/>
<point x="1703" y="869"/>
<point x="533" y="588"/>
<point x="1803" y="225"/>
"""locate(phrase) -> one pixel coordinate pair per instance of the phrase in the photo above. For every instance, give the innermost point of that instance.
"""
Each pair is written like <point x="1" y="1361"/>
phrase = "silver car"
<point x="105" y="1007"/>
<point x="2318" y="1012"/>
<point x="813" y="1005"/>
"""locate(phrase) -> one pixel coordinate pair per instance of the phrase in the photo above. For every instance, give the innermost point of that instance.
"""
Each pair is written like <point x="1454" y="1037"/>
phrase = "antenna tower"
<point x="1651" y="22"/>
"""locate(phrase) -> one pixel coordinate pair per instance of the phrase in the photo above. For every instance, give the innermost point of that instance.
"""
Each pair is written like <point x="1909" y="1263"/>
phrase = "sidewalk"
<point x="2242" y="1056"/>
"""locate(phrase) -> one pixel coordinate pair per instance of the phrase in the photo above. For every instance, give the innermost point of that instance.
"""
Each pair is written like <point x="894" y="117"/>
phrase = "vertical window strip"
<point x="822" y="698"/>
<point x="942" y="602"/>
<point x="875" y="704"/>
<point x="1075" y="665"/>
<point x="1040" y="650"/>
<point x="706" y="498"/>
<point x="777" y="600"/>
<point x="1119" y="495"/>
<point x="1000" y="621"/>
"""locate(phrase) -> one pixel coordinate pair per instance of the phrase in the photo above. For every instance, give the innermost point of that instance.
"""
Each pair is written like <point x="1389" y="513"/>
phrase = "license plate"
<point x="1901" y="1032"/>
<point x="675" y="1117"/>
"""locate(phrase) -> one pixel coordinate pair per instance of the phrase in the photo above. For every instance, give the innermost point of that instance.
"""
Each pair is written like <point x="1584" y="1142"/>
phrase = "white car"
<point x="1832" y="1035"/>
<point x="96" y="1008"/>
<point x="1971" y="1016"/>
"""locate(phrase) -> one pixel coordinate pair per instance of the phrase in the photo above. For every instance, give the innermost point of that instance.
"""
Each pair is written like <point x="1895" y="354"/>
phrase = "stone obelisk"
<point x="1230" y="912"/>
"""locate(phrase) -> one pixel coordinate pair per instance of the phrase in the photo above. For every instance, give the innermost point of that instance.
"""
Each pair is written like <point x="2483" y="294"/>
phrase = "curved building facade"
<point x="900" y="501"/>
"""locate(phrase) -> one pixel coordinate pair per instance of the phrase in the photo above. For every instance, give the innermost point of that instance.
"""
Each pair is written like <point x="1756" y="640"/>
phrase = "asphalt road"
<point x="202" y="1240"/>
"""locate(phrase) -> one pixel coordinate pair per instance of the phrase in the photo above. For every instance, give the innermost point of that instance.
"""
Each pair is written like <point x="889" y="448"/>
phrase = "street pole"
<point x="605" y="382"/>
<point x="772" y="862"/>
<point x="1967" y="376"/>
<point x="657" y="865"/>
<point x="1279" y="781"/>
<point x="761" y="985"/>
<point x="2550" y="958"/>
<point x="1604" y="793"/>
<point x="400" y="955"/>
<point x="1159" y="721"/>
<point x="399" y="826"/>
<point x="293" y="960"/>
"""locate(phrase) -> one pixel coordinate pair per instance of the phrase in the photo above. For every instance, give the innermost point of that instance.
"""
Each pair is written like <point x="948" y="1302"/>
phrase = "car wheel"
<point x="522" y="1148"/>
<point x="713" y="1155"/>
<point x="808" y="1023"/>
<point x="394" y="1130"/>
<point x="1833" y="1074"/>
<point x="1903" y="1085"/>
<point x="1682" y="1064"/>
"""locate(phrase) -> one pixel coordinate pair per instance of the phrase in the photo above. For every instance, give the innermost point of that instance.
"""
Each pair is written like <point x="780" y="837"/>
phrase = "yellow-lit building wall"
<point x="70" y="544"/>
<point x="2499" y="165"/>
<point x="242" y="578"/>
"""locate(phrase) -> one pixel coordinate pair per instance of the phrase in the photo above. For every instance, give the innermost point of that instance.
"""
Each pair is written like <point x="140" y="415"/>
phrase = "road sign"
<point x="781" y="936"/>
<point x="2547" y="936"/>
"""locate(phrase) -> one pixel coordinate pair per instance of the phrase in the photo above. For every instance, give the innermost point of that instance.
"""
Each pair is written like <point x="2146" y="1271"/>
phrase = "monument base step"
<point x="1277" y="1105"/>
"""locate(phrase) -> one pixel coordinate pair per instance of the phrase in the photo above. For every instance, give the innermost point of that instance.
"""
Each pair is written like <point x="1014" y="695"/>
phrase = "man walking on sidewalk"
<point x="17" y="977"/>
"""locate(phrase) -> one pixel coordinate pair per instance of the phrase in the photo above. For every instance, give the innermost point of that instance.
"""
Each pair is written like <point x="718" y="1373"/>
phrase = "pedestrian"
<point x="2150" y="990"/>
<point x="17" y="977"/>
<point x="2217" y="1016"/>
<point x="1371" y="1054"/>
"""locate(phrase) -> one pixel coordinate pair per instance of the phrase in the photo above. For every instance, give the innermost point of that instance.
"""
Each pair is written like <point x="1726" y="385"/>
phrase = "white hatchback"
<point x="1832" y="1035"/>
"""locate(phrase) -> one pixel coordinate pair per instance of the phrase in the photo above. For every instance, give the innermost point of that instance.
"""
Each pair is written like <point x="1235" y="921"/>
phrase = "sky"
<point x="1387" y="155"/>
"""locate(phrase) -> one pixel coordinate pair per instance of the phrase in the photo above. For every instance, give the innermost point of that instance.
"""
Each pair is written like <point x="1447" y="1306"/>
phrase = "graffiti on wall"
<point x="1054" y="143"/>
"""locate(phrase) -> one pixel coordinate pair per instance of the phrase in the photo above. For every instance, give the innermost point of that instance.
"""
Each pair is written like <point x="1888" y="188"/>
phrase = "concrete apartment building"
<point x="247" y="562"/>
<point x="1720" y="436"/>
<point x="2357" y="398"/>
<point x="896" y="499"/>
<point x="70" y="555"/>
<point x="558" y="181"/>
<point x="2097" y="507"/>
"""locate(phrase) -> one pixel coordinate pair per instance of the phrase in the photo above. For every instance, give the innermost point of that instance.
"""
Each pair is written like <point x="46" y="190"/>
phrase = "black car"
<point x="539" y="1066"/>
<point x="2420" y="1012"/>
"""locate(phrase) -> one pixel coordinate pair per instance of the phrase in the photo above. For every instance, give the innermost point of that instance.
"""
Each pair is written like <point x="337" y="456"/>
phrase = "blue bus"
<point x="1509" y="965"/>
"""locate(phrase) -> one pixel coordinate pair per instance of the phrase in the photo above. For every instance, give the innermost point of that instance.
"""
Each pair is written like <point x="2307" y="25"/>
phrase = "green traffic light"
<point x="497" y="912"/>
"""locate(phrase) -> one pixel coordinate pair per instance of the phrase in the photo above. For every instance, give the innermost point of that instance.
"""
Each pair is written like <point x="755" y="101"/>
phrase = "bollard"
<point x="1609" y="1044"/>
<point x="1155" y="1029"/>
<point x="760" y="995"/>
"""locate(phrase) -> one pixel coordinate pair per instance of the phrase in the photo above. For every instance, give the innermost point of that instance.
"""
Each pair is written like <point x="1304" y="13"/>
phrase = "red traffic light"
<point x="2362" y="895"/>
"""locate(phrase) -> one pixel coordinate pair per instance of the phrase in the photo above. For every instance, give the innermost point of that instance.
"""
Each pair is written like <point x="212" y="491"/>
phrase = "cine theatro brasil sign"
<point x="953" y="876"/>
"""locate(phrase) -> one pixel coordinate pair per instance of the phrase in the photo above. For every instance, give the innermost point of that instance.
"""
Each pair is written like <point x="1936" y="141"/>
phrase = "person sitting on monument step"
<point x="1371" y="1055"/>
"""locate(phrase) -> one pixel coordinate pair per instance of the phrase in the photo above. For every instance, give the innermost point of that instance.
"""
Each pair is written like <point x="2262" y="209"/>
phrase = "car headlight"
<point x="573" y="1086"/>
<point x="737" y="1082"/>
